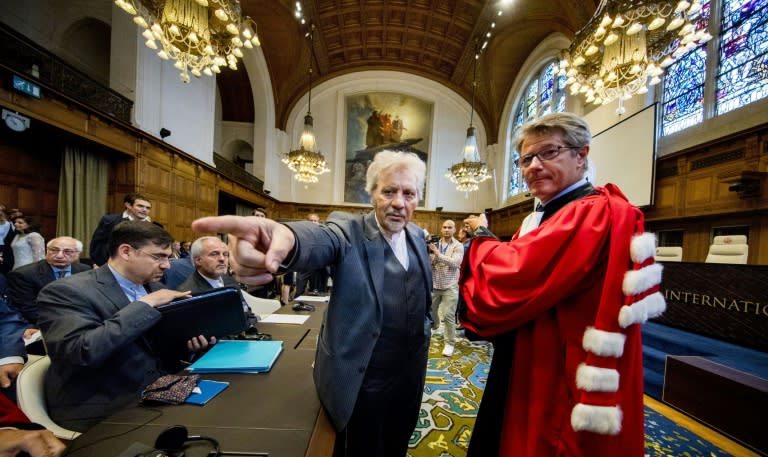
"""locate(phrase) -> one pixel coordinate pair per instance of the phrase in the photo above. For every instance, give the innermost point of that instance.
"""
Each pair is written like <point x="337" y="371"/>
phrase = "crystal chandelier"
<point x="307" y="162"/>
<point x="471" y="171"/>
<point x="627" y="45"/>
<point x="200" y="35"/>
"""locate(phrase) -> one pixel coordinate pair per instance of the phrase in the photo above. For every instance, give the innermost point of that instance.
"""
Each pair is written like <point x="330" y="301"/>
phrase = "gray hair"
<point x="574" y="129"/>
<point x="196" y="250"/>
<point x="393" y="160"/>
<point x="78" y="243"/>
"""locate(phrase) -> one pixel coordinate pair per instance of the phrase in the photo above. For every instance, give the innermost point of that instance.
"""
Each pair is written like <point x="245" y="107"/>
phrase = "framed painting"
<point x="378" y="121"/>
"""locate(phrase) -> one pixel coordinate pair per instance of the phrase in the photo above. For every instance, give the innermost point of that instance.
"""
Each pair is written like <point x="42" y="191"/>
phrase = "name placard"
<point x="726" y="302"/>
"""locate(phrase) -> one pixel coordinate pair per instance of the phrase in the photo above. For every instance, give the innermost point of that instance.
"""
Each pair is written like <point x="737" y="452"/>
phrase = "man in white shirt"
<point x="446" y="256"/>
<point x="137" y="208"/>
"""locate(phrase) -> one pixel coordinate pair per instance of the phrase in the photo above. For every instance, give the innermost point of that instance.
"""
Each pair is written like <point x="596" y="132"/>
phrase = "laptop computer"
<point x="218" y="312"/>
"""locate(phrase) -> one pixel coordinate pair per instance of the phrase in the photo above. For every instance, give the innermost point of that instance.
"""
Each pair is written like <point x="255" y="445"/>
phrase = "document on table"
<point x="262" y="307"/>
<point x="313" y="298"/>
<point x="297" y="319"/>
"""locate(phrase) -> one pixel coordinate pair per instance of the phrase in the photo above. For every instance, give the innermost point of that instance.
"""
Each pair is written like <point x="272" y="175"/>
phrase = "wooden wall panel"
<point x="666" y="195"/>
<point x="699" y="190"/>
<point x="29" y="174"/>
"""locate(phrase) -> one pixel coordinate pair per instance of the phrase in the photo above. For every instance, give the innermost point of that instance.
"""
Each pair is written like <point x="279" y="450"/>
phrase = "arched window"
<point x="737" y="63"/>
<point x="544" y="94"/>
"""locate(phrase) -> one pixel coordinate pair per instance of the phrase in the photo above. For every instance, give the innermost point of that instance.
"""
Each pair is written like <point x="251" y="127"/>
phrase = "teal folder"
<point x="208" y="390"/>
<point x="235" y="356"/>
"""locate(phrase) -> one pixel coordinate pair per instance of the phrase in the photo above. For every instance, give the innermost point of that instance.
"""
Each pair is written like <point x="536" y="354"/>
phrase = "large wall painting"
<point x="382" y="120"/>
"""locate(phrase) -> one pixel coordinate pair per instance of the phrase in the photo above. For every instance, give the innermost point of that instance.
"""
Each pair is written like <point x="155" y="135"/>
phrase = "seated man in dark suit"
<point x="94" y="326"/>
<point x="61" y="260"/>
<point x="211" y="259"/>
<point x="137" y="207"/>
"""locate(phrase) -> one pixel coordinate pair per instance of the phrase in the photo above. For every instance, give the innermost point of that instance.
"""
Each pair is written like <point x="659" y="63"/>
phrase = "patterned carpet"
<point x="452" y="396"/>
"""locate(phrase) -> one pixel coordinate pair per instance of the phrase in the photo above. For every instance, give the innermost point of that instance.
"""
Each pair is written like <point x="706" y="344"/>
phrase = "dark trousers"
<point x="380" y="426"/>
<point x="386" y="409"/>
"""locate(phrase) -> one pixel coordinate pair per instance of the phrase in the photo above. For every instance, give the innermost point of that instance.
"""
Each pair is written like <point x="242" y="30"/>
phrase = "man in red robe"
<point x="561" y="301"/>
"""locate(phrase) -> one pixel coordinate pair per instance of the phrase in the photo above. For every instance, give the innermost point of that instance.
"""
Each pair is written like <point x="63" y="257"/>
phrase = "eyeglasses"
<point x="159" y="258"/>
<point x="548" y="154"/>
<point x="66" y="252"/>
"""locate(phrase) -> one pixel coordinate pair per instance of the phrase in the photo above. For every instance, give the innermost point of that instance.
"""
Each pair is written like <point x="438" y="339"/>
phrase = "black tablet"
<point x="218" y="312"/>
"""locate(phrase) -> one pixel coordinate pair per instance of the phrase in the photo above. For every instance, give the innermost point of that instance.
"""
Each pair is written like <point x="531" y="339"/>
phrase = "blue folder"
<point x="236" y="356"/>
<point x="208" y="390"/>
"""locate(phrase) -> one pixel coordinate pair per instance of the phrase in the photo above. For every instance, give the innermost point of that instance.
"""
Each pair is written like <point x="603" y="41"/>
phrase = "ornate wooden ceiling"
<point x="430" y="38"/>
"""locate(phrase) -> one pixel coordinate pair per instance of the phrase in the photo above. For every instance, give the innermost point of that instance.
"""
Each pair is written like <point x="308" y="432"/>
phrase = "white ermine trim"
<point x="605" y="420"/>
<point x="596" y="379"/>
<point x="642" y="247"/>
<point x="637" y="281"/>
<point x="602" y="343"/>
<point x="639" y="312"/>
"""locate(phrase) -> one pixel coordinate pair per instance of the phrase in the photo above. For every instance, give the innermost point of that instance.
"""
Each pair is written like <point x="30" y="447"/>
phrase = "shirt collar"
<point x="129" y="287"/>
<point x="213" y="282"/>
<point x="127" y="215"/>
<point x="573" y="186"/>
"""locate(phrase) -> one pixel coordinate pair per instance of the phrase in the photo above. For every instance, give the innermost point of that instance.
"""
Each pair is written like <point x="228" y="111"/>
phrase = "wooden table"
<point x="276" y="412"/>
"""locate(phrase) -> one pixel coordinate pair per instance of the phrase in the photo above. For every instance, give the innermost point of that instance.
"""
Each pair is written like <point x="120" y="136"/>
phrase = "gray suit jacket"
<point x="352" y="245"/>
<point x="100" y="358"/>
<point x="26" y="282"/>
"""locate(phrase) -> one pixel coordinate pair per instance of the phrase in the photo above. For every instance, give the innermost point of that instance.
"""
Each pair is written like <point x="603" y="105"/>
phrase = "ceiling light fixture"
<point x="627" y="45"/>
<point x="307" y="162"/>
<point x="471" y="171"/>
<point x="200" y="35"/>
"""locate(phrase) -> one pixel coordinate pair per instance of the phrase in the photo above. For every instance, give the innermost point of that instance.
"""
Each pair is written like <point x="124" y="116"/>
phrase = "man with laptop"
<point x="95" y="325"/>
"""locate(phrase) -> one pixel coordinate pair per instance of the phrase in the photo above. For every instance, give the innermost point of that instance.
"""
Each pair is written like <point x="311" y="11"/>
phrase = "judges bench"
<point x="276" y="412"/>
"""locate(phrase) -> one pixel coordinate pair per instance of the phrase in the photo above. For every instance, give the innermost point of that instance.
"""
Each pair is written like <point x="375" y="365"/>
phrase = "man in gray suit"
<point x="94" y="327"/>
<point x="372" y="348"/>
<point x="211" y="259"/>
<point x="61" y="260"/>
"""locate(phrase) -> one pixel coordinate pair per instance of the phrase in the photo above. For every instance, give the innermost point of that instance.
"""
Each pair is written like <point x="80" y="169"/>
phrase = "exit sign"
<point x="27" y="87"/>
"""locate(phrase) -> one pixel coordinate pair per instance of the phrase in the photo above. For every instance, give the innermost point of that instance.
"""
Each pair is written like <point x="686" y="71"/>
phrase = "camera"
<point x="433" y="239"/>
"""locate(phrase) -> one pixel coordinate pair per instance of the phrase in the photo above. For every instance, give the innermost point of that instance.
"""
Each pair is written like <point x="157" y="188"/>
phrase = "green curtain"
<point x="82" y="194"/>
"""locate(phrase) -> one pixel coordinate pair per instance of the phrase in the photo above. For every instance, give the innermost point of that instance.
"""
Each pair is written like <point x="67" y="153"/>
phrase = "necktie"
<point x="61" y="273"/>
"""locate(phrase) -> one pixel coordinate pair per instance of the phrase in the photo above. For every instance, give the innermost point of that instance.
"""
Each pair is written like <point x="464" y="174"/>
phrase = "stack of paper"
<point x="314" y="298"/>
<point x="234" y="356"/>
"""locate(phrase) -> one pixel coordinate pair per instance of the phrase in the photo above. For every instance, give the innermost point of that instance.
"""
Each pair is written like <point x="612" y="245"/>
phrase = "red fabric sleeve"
<point x="10" y="414"/>
<point x="506" y="284"/>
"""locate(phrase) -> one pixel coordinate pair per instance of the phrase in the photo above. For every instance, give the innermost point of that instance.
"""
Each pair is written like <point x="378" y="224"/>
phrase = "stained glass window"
<point x="544" y="94"/>
<point x="743" y="72"/>
<point x="684" y="92"/>
<point x="742" y="60"/>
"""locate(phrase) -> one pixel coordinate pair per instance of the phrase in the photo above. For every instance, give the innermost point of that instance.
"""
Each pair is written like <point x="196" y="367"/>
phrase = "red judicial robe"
<point x="10" y="414"/>
<point x="572" y="294"/>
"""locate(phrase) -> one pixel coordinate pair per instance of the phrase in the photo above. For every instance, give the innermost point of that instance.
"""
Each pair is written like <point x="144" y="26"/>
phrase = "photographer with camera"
<point x="446" y="254"/>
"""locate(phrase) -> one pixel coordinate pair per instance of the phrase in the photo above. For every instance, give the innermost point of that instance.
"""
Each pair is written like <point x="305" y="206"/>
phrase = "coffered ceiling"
<point x="434" y="39"/>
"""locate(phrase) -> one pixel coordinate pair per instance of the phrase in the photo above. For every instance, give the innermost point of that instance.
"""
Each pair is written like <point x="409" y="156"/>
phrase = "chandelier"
<point x="627" y="45"/>
<point x="306" y="161"/>
<point x="200" y="35"/>
<point x="471" y="171"/>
